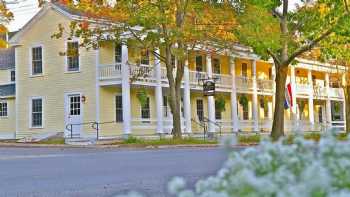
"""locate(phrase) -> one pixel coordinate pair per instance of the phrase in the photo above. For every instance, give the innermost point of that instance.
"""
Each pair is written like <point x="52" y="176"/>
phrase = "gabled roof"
<point x="63" y="10"/>
<point x="7" y="90"/>
<point x="7" y="58"/>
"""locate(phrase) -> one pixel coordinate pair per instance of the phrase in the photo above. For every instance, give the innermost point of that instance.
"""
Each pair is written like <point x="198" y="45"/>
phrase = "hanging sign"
<point x="209" y="87"/>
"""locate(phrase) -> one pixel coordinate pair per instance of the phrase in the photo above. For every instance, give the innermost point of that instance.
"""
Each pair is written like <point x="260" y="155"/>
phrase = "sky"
<point x="26" y="9"/>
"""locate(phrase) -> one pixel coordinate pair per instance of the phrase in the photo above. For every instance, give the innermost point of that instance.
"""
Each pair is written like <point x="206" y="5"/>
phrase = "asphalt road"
<point x="85" y="172"/>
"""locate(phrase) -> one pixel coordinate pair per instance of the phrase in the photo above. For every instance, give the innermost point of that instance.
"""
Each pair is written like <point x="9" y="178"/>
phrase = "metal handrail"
<point x="213" y="122"/>
<point x="201" y="124"/>
<point x="69" y="127"/>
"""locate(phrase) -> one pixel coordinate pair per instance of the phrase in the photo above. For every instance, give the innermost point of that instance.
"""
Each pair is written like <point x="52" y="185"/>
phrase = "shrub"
<point x="302" y="169"/>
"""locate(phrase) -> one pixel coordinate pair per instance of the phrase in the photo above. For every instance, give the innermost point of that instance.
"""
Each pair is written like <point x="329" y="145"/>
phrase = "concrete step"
<point x="80" y="141"/>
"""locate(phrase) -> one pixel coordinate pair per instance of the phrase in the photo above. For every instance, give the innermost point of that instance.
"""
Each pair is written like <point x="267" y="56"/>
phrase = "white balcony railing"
<point x="224" y="81"/>
<point x="264" y="85"/>
<point x="336" y="93"/>
<point x="244" y="83"/>
<point x="303" y="88"/>
<point x="108" y="72"/>
<point x="195" y="77"/>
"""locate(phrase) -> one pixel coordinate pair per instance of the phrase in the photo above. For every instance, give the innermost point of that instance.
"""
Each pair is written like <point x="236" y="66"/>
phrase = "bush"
<point x="302" y="169"/>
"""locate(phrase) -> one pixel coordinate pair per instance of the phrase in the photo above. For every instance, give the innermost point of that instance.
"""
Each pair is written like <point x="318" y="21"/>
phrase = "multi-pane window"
<point x="200" y="110"/>
<point x="244" y="70"/>
<point x="218" y="114"/>
<point x="118" y="53"/>
<point x="75" y="107"/>
<point x="3" y="109"/>
<point x="37" y="60"/>
<point x="13" y="75"/>
<point x="37" y="112"/>
<point x="145" y="57"/>
<point x="145" y="110"/>
<point x="199" y="63"/>
<point x="73" y="56"/>
<point x="119" y="108"/>
<point x="165" y="106"/>
<point x="216" y="66"/>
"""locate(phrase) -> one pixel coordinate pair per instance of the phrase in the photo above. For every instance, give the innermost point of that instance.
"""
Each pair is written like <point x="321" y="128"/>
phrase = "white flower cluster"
<point x="303" y="169"/>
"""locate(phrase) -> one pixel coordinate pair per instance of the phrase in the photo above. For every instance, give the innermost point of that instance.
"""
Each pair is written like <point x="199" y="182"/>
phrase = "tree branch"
<point x="274" y="57"/>
<point x="307" y="47"/>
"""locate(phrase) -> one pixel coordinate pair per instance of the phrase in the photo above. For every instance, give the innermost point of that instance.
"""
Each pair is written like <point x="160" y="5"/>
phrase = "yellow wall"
<point x="107" y="111"/>
<point x="238" y="66"/>
<point x="55" y="82"/>
<point x="8" y="124"/>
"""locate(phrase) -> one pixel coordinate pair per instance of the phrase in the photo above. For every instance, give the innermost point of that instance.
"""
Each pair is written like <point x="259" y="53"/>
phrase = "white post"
<point x="255" y="115"/>
<point x="211" y="101"/>
<point x="97" y="85"/>
<point x="234" y="116"/>
<point x="311" y="98"/>
<point x="159" y="93"/>
<point x="126" y="91"/>
<point x="328" y="103"/>
<point x="294" y="93"/>
<point x="187" y="99"/>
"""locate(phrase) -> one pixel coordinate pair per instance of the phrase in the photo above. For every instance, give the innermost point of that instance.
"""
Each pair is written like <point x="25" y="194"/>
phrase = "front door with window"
<point x="73" y="114"/>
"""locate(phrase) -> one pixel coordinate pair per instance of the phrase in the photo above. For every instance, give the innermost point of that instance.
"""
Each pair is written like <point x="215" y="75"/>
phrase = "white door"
<point x="74" y="116"/>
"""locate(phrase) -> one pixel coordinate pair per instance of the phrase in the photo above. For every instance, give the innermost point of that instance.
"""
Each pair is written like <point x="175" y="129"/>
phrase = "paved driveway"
<point x="101" y="172"/>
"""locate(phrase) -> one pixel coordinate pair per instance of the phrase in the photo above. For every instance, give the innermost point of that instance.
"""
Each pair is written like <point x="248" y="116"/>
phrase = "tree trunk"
<point x="278" y="117"/>
<point x="347" y="108"/>
<point x="175" y="104"/>
<point x="175" y="94"/>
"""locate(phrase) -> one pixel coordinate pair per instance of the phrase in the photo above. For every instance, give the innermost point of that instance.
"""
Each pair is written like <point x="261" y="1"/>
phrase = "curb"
<point x="32" y="145"/>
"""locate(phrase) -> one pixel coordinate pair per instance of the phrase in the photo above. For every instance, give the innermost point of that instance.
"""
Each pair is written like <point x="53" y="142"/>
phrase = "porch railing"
<point x="244" y="83"/>
<point x="195" y="76"/>
<point x="336" y="93"/>
<point x="265" y="85"/>
<point x="222" y="80"/>
<point x="303" y="88"/>
<point x="112" y="71"/>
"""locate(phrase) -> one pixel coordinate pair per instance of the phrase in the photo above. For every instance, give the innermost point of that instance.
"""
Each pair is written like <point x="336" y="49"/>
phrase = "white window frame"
<point x="66" y="57"/>
<point x="7" y="109"/>
<point x="42" y="112"/>
<point x="31" y="60"/>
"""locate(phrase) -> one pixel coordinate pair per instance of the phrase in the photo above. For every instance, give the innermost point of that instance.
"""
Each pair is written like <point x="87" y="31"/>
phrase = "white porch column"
<point x="159" y="94"/>
<point x="311" y="97"/>
<point x="255" y="115"/>
<point x="187" y="99"/>
<point x="234" y="115"/>
<point x="328" y="102"/>
<point x="211" y="101"/>
<point x="126" y="91"/>
<point x="294" y="93"/>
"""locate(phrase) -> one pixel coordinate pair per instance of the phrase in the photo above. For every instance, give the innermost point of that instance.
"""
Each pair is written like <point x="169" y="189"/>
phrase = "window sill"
<point x="4" y="117"/>
<point x="37" y="75"/>
<point x="40" y="127"/>
<point x="72" y="72"/>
